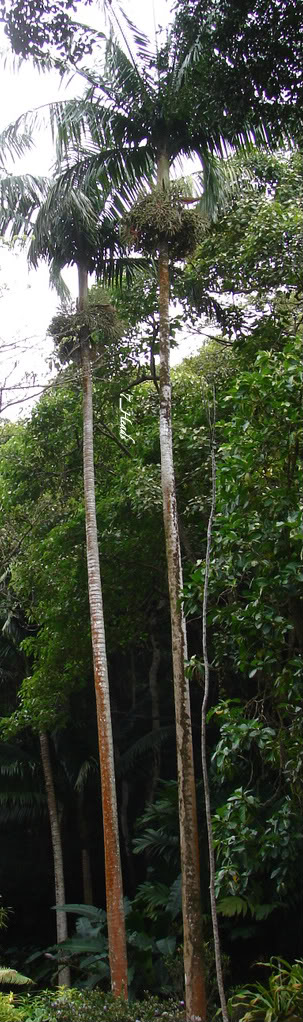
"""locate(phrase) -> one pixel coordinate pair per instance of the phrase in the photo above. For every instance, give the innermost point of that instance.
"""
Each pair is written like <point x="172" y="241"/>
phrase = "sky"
<point x="27" y="302"/>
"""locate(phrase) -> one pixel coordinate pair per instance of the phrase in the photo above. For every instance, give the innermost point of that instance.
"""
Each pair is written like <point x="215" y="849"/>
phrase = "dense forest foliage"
<point x="235" y="278"/>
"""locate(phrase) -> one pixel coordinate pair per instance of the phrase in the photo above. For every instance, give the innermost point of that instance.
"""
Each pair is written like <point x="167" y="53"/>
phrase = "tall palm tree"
<point x="67" y="231"/>
<point x="74" y="236"/>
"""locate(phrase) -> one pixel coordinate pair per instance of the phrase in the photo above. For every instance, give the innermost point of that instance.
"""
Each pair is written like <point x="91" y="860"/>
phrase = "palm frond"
<point x="21" y="807"/>
<point x="79" y="227"/>
<point x="142" y="52"/>
<point x="20" y="197"/>
<point x="122" y="75"/>
<point x="13" y="143"/>
<point x="153" y="897"/>
<point x="219" y="181"/>
<point x="95" y="915"/>
<point x="93" y="139"/>
<point x="57" y="283"/>
<point x="191" y="58"/>
<point x="142" y="746"/>
<point x="158" y="843"/>
<point x="124" y="168"/>
<point x="14" y="978"/>
<point x="90" y="766"/>
<point x="11" y="754"/>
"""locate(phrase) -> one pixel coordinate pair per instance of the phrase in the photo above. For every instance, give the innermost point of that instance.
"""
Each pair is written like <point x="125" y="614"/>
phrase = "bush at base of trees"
<point x="94" y="1006"/>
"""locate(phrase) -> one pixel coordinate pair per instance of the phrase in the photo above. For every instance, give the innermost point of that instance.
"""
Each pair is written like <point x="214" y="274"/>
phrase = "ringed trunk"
<point x="113" y="874"/>
<point x="190" y="865"/>
<point x="61" y="919"/>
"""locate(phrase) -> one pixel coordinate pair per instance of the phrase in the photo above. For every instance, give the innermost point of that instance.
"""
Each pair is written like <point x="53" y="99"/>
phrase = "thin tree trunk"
<point x="86" y="877"/>
<point x="61" y="919"/>
<point x="211" y="853"/>
<point x="190" y="866"/>
<point x="126" y="835"/>
<point x="85" y="855"/>
<point x="113" y="874"/>
<point x="153" y="688"/>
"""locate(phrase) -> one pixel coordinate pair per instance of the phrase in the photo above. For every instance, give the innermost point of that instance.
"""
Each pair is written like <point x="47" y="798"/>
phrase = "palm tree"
<point x="67" y="231"/>
<point x="73" y="235"/>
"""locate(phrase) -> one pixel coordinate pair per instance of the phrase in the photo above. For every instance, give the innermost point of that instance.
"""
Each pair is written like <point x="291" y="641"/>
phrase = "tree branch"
<point x="105" y="429"/>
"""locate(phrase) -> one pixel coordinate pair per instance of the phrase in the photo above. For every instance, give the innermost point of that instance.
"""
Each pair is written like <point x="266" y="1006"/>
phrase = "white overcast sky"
<point x="27" y="303"/>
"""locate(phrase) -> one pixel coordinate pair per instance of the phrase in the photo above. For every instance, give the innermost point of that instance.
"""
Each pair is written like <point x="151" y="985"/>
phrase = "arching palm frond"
<point x="94" y="140"/>
<point x="123" y="76"/>
<point x="78" y="227"/>
<point x="140" y="749"/>
<point x="21" y="806"/>
<point x="136" y="43"/>
<point x="13" y="144"/>
<point x="11" y="976"/>
<point x="218" y="181"/>
<point x="20" y="197"/>
<point x="65" y="224"/>
<point x="87" y="769"/>
<point x="22" y="796"/>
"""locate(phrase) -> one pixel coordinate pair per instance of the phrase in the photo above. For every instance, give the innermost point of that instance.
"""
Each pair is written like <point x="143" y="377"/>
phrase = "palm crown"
<point x="137" y="108"/>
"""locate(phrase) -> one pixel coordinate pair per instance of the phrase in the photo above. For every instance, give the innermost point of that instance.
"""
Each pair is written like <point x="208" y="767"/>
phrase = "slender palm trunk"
<point x="85" y="854"/>
<point x="113" y="875"/>
<point x="61" y="920"/>
<point x="190" y="866"/>
<point x="154" y="694"/>
<point x="211" y="850"/>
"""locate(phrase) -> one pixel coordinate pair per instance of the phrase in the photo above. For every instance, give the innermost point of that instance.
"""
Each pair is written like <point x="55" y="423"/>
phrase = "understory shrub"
<point x="95" y="1006"/>
<point x="280" y="1000"/>
<point x="8" y="1010"/>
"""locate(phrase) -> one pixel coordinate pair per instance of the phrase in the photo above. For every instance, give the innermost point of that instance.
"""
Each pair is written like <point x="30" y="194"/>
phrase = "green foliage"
<point x="257" y="854"/>
<point x="157" y="829"/>
<point x="255" y="629"/>
<point x="88" y="949"/>
<point x="94" y="1006"/>
<point x="9" y="1012"/>
<point x="4" y="912"/>
<point x="45" y="29"/>
<point x="281" y="1000"/>
<point x="249" y="263"/>
<point x="255" y="728"/>
<point x="148" y="954"/>
<point x="252" y="54"/>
